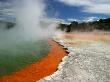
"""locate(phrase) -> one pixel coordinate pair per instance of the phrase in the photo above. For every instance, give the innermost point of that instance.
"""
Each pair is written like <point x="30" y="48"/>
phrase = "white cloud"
<point x="75" y="2"/>
<point x="90" y="6"/>
<point x="86" y="19"/>
<point x="7" y="11"/>
<point x="90" y="19"/>
<point x="57" y="20"/>
<point x="99" y="8"/>
<point x="72" y="19"/>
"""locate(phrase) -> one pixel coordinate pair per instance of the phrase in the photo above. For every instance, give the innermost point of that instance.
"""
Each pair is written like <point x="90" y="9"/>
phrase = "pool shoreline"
<point x="42" y="68"/>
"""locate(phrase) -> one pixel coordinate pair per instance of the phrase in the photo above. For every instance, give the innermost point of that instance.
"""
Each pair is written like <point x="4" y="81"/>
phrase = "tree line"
<point x="102" y="24"/>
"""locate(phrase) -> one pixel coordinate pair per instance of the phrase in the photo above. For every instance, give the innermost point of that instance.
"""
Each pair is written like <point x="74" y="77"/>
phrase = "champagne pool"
<point x="16" y="56"/>
<point x="25" y="40"/>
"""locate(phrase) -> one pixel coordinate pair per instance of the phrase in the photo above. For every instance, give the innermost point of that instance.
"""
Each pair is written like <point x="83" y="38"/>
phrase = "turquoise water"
<point x="16" y="56"/>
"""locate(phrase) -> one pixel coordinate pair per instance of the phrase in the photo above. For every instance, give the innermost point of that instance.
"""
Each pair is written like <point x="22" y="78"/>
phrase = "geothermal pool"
<point x="26" y="41"/>
<point x="16" y="56"/>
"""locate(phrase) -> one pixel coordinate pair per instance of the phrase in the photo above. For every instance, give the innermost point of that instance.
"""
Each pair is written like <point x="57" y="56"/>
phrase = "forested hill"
<point x="102" y="24"/>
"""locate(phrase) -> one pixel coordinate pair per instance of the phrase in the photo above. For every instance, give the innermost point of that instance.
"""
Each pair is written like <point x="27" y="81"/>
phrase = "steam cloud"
<point x="29" y="26"/>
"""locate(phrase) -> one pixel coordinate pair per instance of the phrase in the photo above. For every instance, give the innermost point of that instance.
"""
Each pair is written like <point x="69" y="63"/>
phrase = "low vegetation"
<point x="102" y="24"/>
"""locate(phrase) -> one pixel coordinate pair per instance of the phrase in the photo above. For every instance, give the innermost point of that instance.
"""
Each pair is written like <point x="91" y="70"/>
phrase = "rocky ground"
<point x="87" y="61"/>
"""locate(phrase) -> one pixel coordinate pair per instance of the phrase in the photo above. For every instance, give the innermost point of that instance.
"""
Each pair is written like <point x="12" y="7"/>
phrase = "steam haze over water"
<point x="28" y="15"/>
<point x="26" y="42"/>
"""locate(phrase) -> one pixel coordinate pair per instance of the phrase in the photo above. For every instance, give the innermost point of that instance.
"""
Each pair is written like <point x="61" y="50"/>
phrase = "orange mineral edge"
<point x="36" y="71"/>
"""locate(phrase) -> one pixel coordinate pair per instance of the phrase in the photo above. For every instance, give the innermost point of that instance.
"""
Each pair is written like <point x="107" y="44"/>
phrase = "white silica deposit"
<point x="85" y="63"/>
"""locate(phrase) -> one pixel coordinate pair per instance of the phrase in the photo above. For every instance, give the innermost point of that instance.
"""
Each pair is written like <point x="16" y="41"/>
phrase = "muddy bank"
<point x="40" y="69"/>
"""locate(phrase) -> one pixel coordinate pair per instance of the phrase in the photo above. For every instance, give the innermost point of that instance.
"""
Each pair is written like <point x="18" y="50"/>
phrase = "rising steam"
<point x="28" y="14"/>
